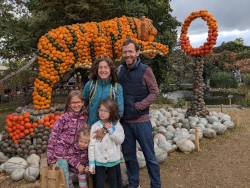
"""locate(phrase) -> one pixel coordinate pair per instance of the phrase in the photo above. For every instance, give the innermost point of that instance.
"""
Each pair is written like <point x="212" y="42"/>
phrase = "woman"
<point x="103" y="84"/>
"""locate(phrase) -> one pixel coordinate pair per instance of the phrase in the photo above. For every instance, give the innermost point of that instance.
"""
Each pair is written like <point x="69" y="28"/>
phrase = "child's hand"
<point x="92" y="168"/>
<point x="86" y="169"/>
<point x="93" y="171"/>
<point x="108" y="125"/>
<point x="80" y="168"/>
<point x="99" y="134"/>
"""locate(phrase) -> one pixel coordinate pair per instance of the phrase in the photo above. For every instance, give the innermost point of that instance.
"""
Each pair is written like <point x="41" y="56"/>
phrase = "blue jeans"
<point x="142" y="132"/>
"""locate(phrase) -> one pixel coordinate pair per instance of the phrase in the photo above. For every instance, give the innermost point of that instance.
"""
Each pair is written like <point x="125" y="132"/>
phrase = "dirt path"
<point x="222" y="162"/>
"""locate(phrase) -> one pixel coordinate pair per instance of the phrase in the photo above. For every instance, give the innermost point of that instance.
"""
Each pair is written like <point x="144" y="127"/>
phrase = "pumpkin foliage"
<point x="206" y="48"/>
<point x="77" y="46"/>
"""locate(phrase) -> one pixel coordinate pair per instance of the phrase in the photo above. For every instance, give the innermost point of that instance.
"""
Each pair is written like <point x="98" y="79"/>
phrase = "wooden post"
<point x="221" y="108"/>
<point x="237" y="119"/>
<point x="186" y="104"/>
<point x="197" y="144"/>
<point x="230" y="102"/>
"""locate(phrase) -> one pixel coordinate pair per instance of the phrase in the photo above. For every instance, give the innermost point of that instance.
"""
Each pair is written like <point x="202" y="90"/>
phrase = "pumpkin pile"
<point x="28" y="129"/>
<point x="77" y="46"/>
<point x="206" y="48"/>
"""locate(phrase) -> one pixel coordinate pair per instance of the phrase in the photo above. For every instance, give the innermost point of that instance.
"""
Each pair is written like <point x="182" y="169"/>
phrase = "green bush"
<point x="246" y="101"/>
<point x="163" y="100"/>
<point x="223" y="80"/>
<point x="247" y="82"/>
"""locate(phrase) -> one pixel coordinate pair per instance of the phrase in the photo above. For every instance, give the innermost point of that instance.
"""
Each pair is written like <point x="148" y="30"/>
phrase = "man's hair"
<point x="130" y="41"/>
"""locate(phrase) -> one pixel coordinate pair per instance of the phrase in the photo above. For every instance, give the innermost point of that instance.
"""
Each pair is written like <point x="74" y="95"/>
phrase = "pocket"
<point x="131" y="113"/>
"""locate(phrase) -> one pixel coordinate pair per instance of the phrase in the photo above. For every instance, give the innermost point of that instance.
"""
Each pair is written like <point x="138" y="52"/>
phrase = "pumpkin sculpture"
<point x="197" y="105"/>
<point x="76" y="46"/>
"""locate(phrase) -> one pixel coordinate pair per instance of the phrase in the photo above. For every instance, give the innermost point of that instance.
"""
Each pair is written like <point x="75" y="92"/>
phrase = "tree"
<point x="233" y="46"/>
<point x="239" y="41"/>
<point x="20" y="34"/>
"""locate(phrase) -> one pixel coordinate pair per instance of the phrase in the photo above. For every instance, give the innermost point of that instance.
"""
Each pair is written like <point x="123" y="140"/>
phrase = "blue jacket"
<point x="102" y="92"/>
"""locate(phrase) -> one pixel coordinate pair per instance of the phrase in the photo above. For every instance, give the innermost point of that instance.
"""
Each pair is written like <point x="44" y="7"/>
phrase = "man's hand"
<point x="99" y="134"/>
<point x="80" y="168"/>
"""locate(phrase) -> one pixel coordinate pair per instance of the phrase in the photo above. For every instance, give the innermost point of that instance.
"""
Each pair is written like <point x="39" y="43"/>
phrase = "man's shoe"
<point x="134" y="187"/>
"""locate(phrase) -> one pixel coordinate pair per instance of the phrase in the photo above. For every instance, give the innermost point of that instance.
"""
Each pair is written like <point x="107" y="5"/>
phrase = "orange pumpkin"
<point x="206" y="48"/>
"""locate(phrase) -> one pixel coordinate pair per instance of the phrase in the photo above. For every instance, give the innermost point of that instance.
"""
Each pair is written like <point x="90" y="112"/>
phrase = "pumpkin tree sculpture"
<point x="197" y="105"/>
<point x="76" y="46"/>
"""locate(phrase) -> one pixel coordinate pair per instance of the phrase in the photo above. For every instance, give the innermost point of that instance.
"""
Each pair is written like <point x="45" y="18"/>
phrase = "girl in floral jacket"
<point x="65" y="132"/>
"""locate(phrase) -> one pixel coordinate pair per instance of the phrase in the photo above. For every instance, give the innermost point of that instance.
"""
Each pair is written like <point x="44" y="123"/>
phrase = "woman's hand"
<point x="99" y="134"/>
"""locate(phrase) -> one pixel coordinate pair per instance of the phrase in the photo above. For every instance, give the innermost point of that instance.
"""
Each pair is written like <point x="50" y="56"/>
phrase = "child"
<point x="78" y="158"/>
<point x="105" y="153"/>
<point x="65" y="131"/>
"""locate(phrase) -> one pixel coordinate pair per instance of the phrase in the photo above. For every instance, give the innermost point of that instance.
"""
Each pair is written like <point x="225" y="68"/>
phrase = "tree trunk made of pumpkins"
<point x="197" y="105"/>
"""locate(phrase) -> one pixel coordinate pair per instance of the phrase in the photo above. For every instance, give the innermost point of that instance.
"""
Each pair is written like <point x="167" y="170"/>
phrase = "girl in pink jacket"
<point x="65" y="132"/>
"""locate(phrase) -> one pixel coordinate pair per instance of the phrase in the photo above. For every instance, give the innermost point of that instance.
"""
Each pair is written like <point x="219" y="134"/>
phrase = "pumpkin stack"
<point x="27" y="130"/>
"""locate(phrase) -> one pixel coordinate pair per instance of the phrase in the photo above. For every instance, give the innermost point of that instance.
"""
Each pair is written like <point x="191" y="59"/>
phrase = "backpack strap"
<point x="93" y="86"/>
<point x="92" y="90"/>
<point x="113" y="90"/>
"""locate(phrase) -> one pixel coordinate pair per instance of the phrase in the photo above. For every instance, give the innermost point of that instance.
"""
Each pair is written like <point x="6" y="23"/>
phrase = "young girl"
<point x="105" y="153"/>
<point x="65" y="131"/>
<point x="78" y="158"/>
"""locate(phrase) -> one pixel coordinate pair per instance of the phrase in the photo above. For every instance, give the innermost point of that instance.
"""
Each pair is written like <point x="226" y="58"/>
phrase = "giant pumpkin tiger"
<point x="77" y="45"/>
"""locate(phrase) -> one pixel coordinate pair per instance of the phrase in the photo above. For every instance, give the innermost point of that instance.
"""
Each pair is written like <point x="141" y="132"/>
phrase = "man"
<point x="140" y="90"/>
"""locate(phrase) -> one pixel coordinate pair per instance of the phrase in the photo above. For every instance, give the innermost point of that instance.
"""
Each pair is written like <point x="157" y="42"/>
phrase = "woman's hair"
<point x="112" y="107"/>
<point x="85" y="132"/>
<point x="93" y="72"/>
<point x="72" y="94"/>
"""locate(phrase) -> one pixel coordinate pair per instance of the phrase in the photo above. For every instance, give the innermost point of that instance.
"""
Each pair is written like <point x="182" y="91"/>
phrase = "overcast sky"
<point x="233" y="19"/>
